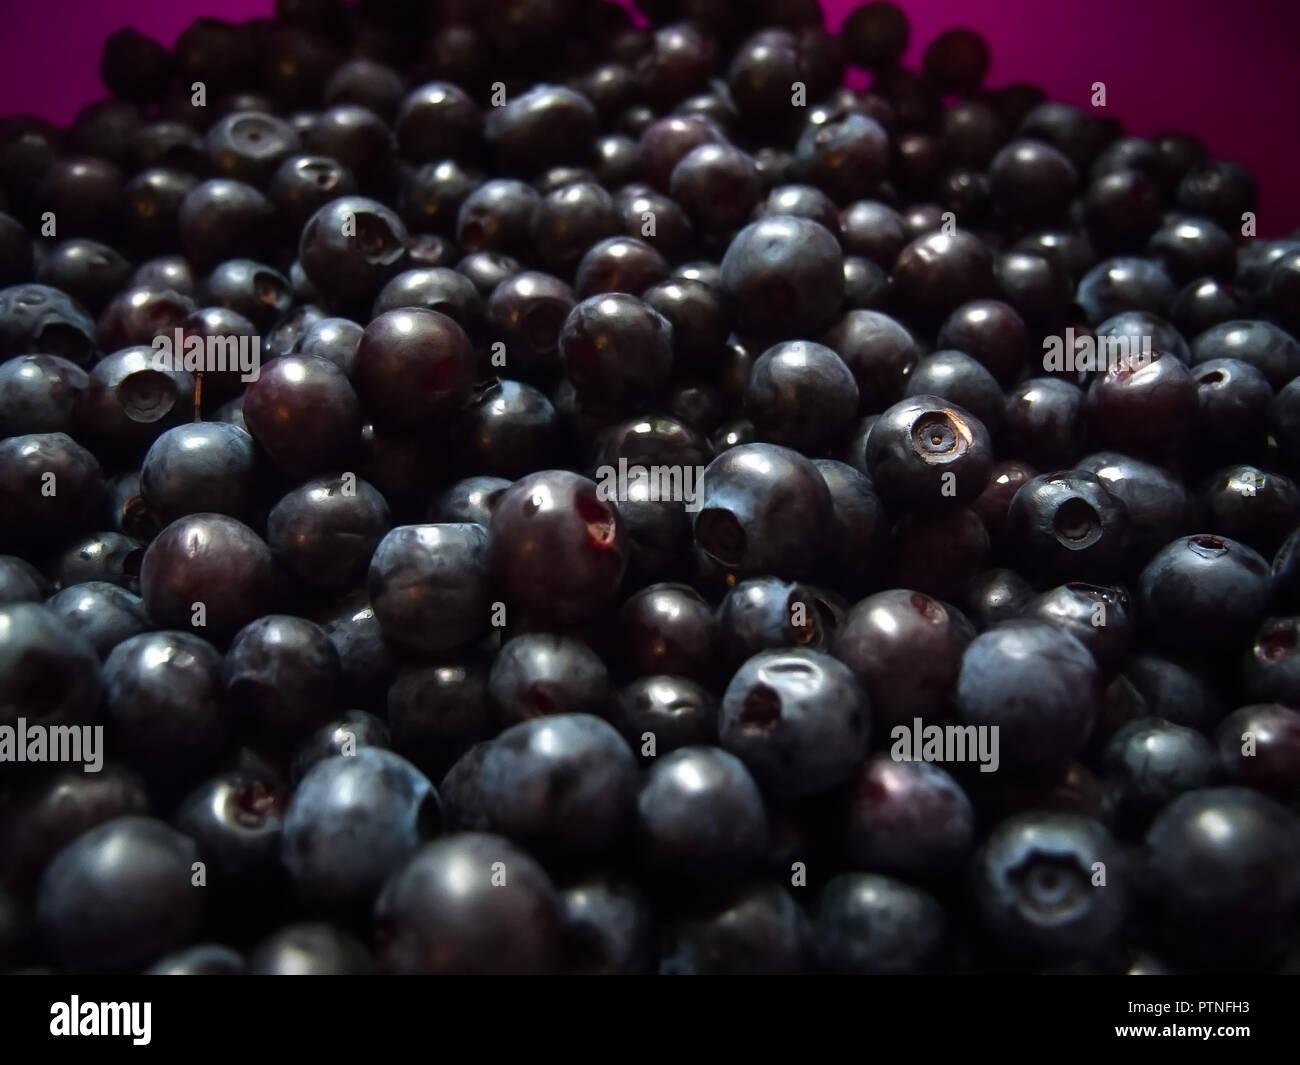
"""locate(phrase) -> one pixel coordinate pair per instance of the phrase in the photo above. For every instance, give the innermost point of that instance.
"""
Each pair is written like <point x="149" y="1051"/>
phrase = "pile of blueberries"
<point x="393" y="677"/>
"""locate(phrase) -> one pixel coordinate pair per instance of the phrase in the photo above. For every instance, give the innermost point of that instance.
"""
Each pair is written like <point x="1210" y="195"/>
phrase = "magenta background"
<point x="1227" y="71"/>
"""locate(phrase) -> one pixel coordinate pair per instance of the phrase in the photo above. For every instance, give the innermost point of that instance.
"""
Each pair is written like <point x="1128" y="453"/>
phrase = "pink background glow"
<point x="1226" y="71"/>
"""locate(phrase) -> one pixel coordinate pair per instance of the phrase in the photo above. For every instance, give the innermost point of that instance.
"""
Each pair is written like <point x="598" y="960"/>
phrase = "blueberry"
<point x="1222" y="868"/>
<point x="538" y="674"/>
<point x="875" y="925"/>
<point x="797" y="718"/>
<point x="905" y="648"/>
<point x="784" y="275"/>
<point x="429" y="586"/>
<point x="764" y="509"/>
<point x="208" y="571"/>
<point x="1052" y="884"/>
<point x="163" y="702"/>
<point x="927" y="453"/>
<point x="1038" y="685"/>
<point x="352" y="821"/>
<point x="801" y="395"/>
<point x="469" y="903"/>
<point x="657" y="714"/>
<point x="49" y="671"/>
<point x="204" y="959"/>
<point x="608" y="929"/>
<point x="563" y="783"/>
<point x="907" y="818"/>
<point x="1069" y="525"/>
<point x="557" y="545"/>
<point x="1259" y="747"/>
<point x="1101" y="617"/>
<point x="344" y="736"/>
<point x="1203" y="593"/>
<point x="309" y="949"/>
<point x="120" y="895"/>
<point x="281" y="675"/>
<point x="700" y="818"/>
<point x="201" y="467"/>
<point x="762" y="932"/>
<point x="325" y="531"/>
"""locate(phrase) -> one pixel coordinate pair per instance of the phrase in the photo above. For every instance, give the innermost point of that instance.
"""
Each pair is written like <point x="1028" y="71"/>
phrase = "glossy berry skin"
<point x="539" y="673"/>
<point x="164" y="706"/>
<point x="907" y="818"/>
<point x="343" y="736"/>
<point x="1143" y="409"/>
<point x="563" y="783"/>
<point x="608" y="928"/>
<point x="429" y="586"/>
<point x="845" y="156"/>
<point x="1035" y="884"/>
<point x="676" y="710"/>
<point x="905" y="648"/>
<point x="1224" y="864"/>
<point x="939" y="272"/>
<point x="496" y="216"/>
<point x="47" y="668"/>
<point x="471" y="499"/>
<point x="1038" y="684"/>
<point x="441" y="913"/>
<point x="325" y="530"/>
<point x="995" y="595"/>
<point x="108" y="556"/>
<point x="200" y="467"/>
<point x="801" y="395"/>
<point x="40" y="394"/>
<point x="698" y="318"/>
<point x="29" y="511"/>
<point x="236" y="819"/>
<point x="105" y="614"/>
<point x="205" y="959"/>
<point x="119" y="896"/>
<point x="917" y="443"/>
<point x="437" y="712"/>
<point x="619" y="264"/>
<point x="1259" y="747"/>
<point x="700" y="818"/>
<point x="1123" y="284"/>
<point x="961" y="380"/>
<point x="667" y="628"/>
<point x="293" y="391"/>
<point x="309" y="949"/>
<point x="435" y="121"/>
<point x="876" y="926"/>
<point x="413" y="366"/>
<point x="880" y="351"/>
<point x="1101" y="617"/>
<point x="1270" y="671"/>
<point x="798" y="719"/>
<point x="762" y="932"/>
<point x="617" y="350"/>
<point x="352" y="821"/>
<point x="546" y="126"/>
<point x="1158" y="505"/>
<point x="1031" y="182"/>
<point x="764" y="613"/>
<point x="784" y="276"/>
<point x="718" y="185"/>
<point x="558" y="549"/>
<point x="764" y="509"/>
<point x="350" y="247"/>
<point x="1271" y="350"/>
<point x="1203" y="593"/>
<point x="1043" y="422"/>
<point x="1069" y="526"/>
<point x="281" y="673"/>
<point x="1150" y="762"/>
<point x="210" y="559"/>
<point x="526" y="312"/>
<point x="1255" y="506"/>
